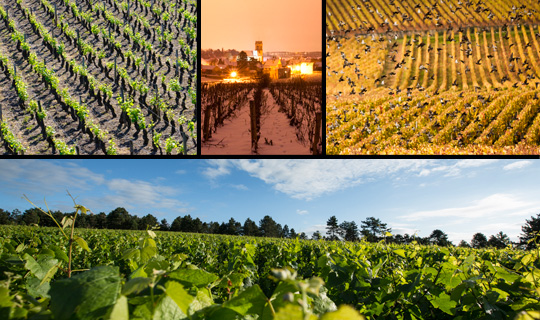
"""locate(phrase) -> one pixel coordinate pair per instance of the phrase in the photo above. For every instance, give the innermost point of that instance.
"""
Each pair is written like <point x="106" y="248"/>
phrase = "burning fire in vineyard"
<point x="262" y="95"/>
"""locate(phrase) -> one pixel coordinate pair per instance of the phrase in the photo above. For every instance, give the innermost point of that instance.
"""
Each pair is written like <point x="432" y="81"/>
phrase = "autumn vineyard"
<point x="437" y="77"/>
<point x="98" y="77"/>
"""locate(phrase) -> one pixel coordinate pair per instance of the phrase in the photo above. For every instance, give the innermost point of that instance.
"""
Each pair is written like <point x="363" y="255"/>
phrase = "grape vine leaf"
<point x="87" y="295"/>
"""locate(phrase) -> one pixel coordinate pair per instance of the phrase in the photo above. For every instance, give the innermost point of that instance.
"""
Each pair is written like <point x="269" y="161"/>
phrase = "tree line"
<point x="371" y="229"/>
<point x="374" y="230"/>
<point x="120" y="218"/>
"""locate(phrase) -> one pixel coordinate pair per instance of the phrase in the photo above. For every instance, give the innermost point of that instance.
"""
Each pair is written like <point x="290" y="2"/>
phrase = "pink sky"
<point x="282" y="25"/>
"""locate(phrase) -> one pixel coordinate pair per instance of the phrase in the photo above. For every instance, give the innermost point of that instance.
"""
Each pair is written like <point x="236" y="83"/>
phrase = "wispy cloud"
<point x="46" y="177"/>
<point x="301" y="212"/>
<point x="217" y="168"/>
<point x="134" y="194"/>
<point x="180" y="172"/>
<point x="40" y="179"/>
<point x="239" y="186"/>
<point x="316" y="227"/>
<point x="495" y="204"/>
<point x="309" y="179"/>
<point x="517" y="165"/>
<point x="456" y="168"/>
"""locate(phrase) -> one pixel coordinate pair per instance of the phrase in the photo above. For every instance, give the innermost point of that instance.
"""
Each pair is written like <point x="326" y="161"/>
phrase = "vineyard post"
<point x="114" y="68"/>
<point x="292" y="107"/>
<point x="131" y="147"/>
<point x="177" y="65"/>
<point x="145" y="66"/>
<point x="77" y="150"/>
<point x="1" y="113"/>
<point x="41" y="122"/>
<point x="206" y="125"/>
<point x="184" y="138"/>
<point x="219" y="112"/>
<point x="316" y="134"/>
<point x="253" y="115"/>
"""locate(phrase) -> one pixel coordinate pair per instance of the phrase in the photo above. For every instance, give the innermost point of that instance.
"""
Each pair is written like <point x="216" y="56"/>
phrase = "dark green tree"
<point x="119" y="218"/>
<point x="213" y="227"/>
<point x="439" y="238"/>
<point x="286" y="233"/>
<point x="197" y="225"/>
<point x="250" y="228"/>
<point x="148" y="221"/>
<point x="164" y="225"/>
<point x="187" y="224"/>
<point x="293" y="234"/>
<point x="373" y="229"/>
<point x="316" y="235"/>
<point x="5" y="217"/>
<point x="531" y="233"/>
<point x="31" y="216"/>
<point x="332" y="228"/>
<point x="479" y="240"/>
<point x="83" y="220"/>
<point x="16" y="216"/>
<point x="176" y="225"/>
<point x="268" y="227"/>
<point x="464" y="244"/>
<point x="279" y="231"/>
<point x="233" y="227"/>
<point x="303" y="236"/>
<point x="499" y="241"/>
<point x="349" y="231"/>
<point x="101" y="221"/>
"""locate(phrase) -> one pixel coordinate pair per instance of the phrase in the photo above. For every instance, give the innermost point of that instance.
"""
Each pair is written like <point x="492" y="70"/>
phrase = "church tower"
<point x="258" y="48"/>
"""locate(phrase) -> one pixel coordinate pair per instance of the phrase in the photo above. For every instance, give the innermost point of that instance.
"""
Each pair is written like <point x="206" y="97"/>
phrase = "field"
<point x="289" y="117"/>
<point x="442" y="78"/>
<point x="147" y="275"/>
<point x="98" y="77"/>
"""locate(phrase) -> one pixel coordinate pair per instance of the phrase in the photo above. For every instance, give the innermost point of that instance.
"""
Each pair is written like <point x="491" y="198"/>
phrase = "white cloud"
<point x="474" y="163"/>
<point x="402" y="228"/>
<point x="517" y="165"/>
<point x="180" y="172"/>
<point x="316" y="227"/>
<point x="424" y="172"/>
<point x="488" y="206"/>
<point x="456" y="169"/>
<point x="489" y="215"/>
<point x="46" y="177"/>
<point x="135" y="194"/>
<point x="308" y="179"/>
<point x="219" y="167"/>
<point x="301" y="212"/>
<point x="239" y="186"/>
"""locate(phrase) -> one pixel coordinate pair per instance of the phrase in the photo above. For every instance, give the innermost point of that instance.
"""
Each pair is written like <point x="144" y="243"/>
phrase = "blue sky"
<point x="460" y="197"/>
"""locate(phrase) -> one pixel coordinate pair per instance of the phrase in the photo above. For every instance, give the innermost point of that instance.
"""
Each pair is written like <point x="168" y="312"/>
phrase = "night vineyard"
<point x="98" y="77"/>
<point x="447" y="77"/>
<point x="300" y="101"/>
